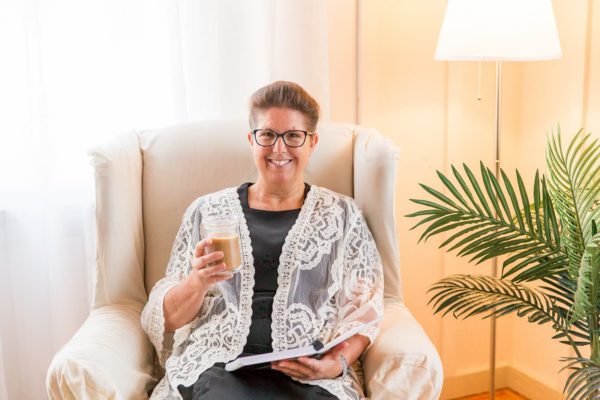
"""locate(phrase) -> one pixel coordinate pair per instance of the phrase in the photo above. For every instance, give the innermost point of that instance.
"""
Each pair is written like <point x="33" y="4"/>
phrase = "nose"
<point x="279" y="146"/>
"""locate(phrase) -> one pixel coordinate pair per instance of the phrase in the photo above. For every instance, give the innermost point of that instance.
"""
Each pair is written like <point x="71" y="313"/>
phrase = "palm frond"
<point x="574" y="185"/>
<point x="487" y="220"/>
<point x="480" y="295"/>
<point x="584" y="382"/>
<point x="561" y="289"/>
<point x="588" y="283"/>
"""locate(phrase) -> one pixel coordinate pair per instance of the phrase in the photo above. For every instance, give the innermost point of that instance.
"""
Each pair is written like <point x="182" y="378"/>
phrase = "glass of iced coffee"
<point x="225" y="237"/>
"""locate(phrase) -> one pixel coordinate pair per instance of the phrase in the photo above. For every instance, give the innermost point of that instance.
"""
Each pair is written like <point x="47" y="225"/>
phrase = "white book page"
<point x="275" y="356"/>
<point x="347" y="335"/>
<point x="297" y="352"/>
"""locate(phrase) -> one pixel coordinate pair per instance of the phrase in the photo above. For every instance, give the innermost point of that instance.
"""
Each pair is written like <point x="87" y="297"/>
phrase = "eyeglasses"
<point x="268" y="138"/>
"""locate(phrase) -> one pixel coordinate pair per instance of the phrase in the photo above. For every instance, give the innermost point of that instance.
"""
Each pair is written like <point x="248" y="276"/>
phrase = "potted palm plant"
<point x="547" y="240"/>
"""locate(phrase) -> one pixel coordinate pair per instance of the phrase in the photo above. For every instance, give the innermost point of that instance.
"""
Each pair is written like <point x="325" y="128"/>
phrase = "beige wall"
<point x="429" y="109"/>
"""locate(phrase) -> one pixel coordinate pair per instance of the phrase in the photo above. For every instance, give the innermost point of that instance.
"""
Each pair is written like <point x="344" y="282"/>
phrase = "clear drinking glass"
<point x="225" y="235"/>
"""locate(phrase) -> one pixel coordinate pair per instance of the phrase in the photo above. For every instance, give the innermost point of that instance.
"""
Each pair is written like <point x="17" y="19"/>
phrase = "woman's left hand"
<point x="307" y="368"/>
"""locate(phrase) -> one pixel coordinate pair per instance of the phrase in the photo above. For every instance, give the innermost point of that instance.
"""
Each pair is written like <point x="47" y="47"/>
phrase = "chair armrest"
<point x="119" y="274"/>
<point x="375" y="166"/>
<point x="402" y="363"/>
<point x="109" y="357"/>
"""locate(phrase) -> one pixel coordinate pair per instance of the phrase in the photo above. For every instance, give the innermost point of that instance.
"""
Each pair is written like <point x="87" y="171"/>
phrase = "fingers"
<point x="204" y="261"/>
<point x="295" y="369"/>
<point x="201" y="247"/>
<point x="304" y="368"/>
<point x="310" y="363"/>
<point x="214" y="273"/>
<point x="205" y="277"/>
<point x="206" y="271"/>
<point x="338" y="349"/>
<point x="210" y="270"/>
<point x="307" y="368"/>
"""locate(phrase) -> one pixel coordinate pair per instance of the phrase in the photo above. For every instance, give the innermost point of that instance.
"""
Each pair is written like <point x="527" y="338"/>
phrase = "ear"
<point x="250" y="138"/>
<point x="313" y="142"/>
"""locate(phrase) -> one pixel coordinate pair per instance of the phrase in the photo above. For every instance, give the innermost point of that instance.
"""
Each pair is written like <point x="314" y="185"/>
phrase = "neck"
<point x="276" y="198"/>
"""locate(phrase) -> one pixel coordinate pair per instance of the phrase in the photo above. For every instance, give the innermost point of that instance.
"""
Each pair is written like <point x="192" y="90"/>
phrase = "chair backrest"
<point x="175" y="165"/>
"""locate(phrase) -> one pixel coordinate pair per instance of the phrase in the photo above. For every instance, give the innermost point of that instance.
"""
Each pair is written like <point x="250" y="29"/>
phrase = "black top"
<point x="268" y="230"/>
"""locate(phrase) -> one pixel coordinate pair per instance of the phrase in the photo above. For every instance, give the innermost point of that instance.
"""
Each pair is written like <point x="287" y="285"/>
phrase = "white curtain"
<point x="75" y="72"/>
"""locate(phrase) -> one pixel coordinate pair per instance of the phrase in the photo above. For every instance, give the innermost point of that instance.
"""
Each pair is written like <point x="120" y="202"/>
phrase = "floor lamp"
<point x="498" y="30"/>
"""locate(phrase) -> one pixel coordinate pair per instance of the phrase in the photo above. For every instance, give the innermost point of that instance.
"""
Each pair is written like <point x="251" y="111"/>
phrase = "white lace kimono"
<point x="330" y="280"/>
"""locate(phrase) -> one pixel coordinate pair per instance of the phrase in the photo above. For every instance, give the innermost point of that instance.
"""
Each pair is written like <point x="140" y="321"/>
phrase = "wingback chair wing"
<point x="144" y="182"/>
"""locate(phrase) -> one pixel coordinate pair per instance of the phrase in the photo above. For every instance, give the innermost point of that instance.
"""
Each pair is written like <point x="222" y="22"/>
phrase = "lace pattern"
<point x="153" y="321"/>
<point x="328" y="247"/>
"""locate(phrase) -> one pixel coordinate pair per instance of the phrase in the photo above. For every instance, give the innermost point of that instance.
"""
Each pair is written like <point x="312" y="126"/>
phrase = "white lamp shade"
<point x="498" y="30"/>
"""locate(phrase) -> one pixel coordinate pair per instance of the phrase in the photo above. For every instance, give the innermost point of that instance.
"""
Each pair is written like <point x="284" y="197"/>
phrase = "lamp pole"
<point x="357" y="63"/>
<point x="495" y="259"/>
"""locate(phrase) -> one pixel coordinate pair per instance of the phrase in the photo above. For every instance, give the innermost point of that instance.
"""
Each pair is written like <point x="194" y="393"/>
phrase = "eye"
<point x="295" y="135"/>
<point x="265" y="134"/>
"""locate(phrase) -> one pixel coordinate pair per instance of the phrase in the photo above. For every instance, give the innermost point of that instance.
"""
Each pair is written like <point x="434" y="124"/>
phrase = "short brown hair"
<point x="285" y="94"/>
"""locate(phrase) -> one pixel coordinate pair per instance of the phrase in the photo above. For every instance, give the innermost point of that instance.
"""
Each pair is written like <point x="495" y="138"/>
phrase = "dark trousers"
<point x="250" y="383"/>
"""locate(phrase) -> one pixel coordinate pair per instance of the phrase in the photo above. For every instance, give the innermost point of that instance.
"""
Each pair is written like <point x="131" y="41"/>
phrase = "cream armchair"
<point x="144" y="182"/>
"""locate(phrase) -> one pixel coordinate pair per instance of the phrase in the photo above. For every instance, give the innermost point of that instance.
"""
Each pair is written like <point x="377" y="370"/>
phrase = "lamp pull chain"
<point x="479" y="81"/>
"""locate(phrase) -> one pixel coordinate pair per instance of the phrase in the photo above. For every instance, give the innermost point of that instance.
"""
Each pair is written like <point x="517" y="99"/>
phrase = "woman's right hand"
<point x="183" y="302"/>
<point x="203" y="276"/>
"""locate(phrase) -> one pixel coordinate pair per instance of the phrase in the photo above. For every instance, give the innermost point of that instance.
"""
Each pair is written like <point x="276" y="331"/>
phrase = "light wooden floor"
<point x="502" y="394"/>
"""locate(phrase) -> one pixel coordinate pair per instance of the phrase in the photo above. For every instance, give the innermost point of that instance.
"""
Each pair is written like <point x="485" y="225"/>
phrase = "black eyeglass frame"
<point x="282" y="136"/>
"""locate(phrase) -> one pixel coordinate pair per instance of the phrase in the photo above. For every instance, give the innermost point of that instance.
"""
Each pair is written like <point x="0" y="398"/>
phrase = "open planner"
<point x="314" y="349"/>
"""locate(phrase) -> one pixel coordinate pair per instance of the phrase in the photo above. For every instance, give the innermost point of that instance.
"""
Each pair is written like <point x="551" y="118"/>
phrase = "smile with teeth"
<point x="280" y="162"/>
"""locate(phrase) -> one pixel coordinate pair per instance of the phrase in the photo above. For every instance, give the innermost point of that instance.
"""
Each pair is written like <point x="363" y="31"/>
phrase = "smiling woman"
<point x="281" y="107"/>
<point x="310" y="271"/>
<point x="280" y="166"/>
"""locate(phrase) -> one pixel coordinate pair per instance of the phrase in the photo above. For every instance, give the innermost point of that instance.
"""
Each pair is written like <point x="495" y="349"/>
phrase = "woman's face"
<point x="279" y="164"/>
